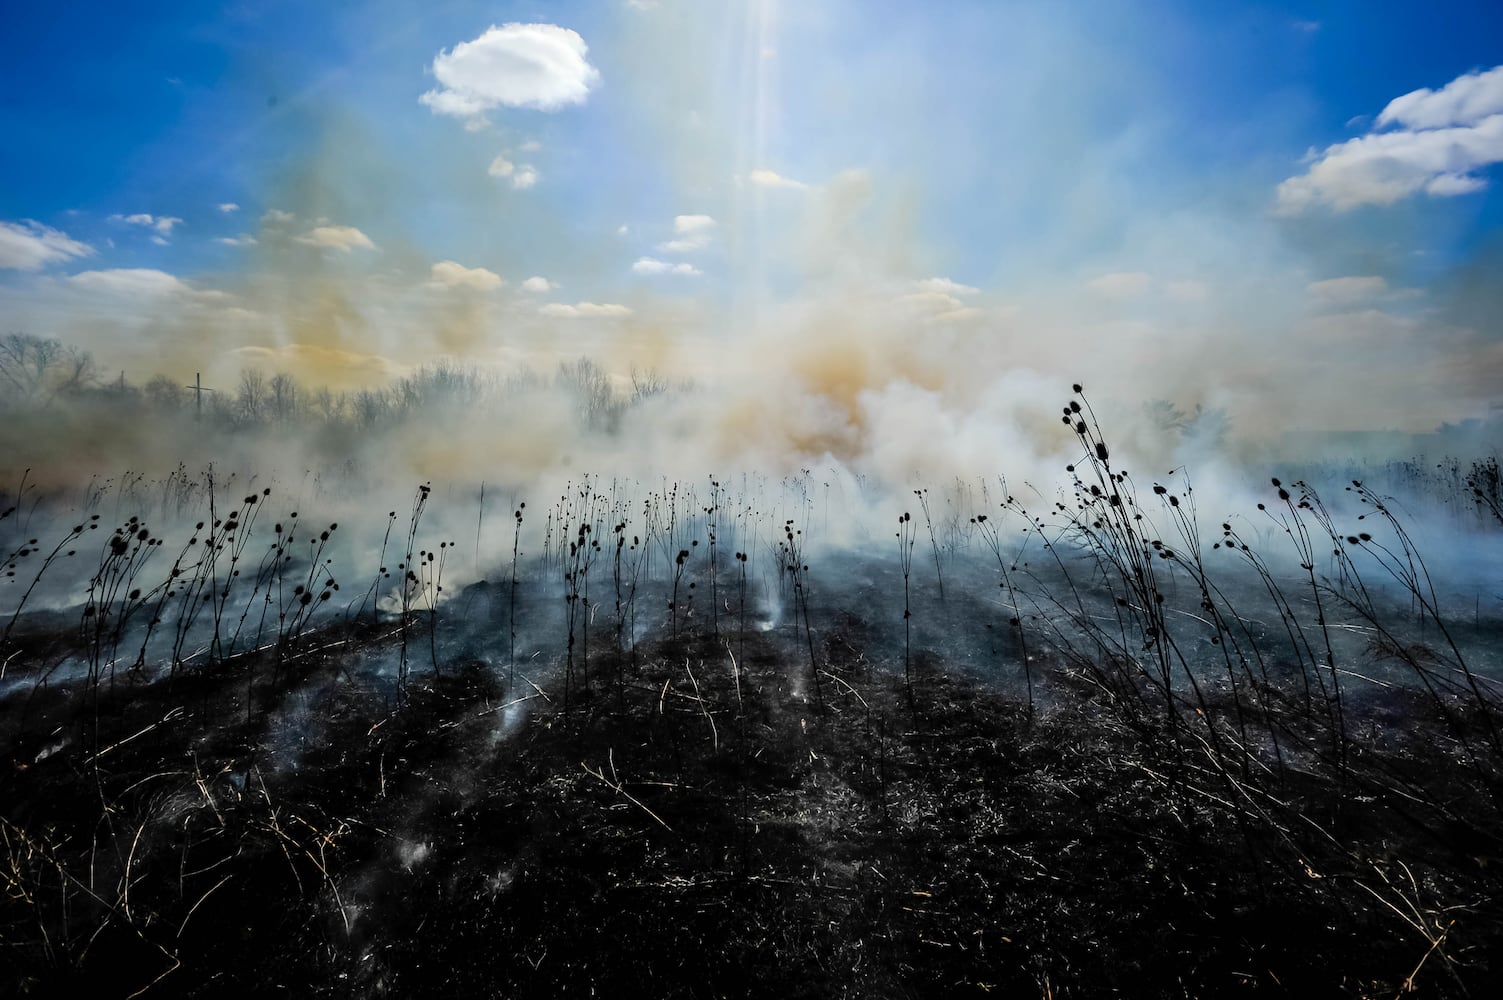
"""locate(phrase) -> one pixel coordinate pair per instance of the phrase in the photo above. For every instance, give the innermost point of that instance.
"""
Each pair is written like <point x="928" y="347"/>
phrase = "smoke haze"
<point x="887" y="253"/>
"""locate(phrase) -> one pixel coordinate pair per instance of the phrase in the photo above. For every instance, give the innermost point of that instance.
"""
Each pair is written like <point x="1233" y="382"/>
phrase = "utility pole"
<point x="199" y="389"/>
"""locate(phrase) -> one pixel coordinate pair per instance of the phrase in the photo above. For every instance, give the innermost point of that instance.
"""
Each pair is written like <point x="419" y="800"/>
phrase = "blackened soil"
<point x="697" y="820"/>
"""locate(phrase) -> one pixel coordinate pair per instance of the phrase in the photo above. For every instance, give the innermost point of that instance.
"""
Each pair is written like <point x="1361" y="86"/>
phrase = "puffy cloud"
<point x="448" y="102"/>
<point x="131" y="283"/>
<point x="243" y="240"/>
<point x="277" y="217"/>
<point x="689" y="224"/>
<point x="932" y="301"/>
<point x="521" y="176"/>
<point x="448" y="274"/>
<point x="936" y="303"/>
<point x="341" y="238"/>
<point x="694" y="232"/>
<point x="30" y="245"/>
<point x="945" y="286"/>
<point x="584" y="310"/>
<point x="1384" y="167"/>
<point x="538" y="66"/>
<point x="228" y="207"/>
<point x="773" y="179"/>
<point x="1466" y="100"/>
<point x="538" y="285"/>
<point x="1440" y="140"/>
<point x="1449" y="185"/>
<point x="651" y="265"/>
<point x="161" y="223"/>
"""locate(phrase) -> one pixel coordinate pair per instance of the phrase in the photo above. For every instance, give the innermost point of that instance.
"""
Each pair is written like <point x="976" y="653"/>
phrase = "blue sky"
<point x="1241" y="202"/>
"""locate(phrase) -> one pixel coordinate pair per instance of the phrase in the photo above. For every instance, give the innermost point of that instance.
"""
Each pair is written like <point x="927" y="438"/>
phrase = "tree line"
<point x="40" y="374"/>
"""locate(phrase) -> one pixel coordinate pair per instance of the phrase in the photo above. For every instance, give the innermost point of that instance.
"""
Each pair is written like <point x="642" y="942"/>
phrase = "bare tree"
<point x="250" y="400"/>
<point x="284" y="398"/>
<point x="329" y="407"/>
<point x="35" y="370"/>
<point x="590" y="386"/>
<point x="370" y="407"/>
<point x="165" y="393"/>
<point x="646" y="383"/>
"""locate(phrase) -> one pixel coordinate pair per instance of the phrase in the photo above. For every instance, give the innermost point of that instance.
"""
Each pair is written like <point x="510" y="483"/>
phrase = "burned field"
<point x="1058" y="747"/>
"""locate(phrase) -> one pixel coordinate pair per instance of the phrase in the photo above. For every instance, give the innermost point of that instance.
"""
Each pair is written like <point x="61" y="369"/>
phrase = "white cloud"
<point x="1466" y="100"/>
<point x="538" y="285"/>
<point x="1384" y="167"/>
<point x="773" y="179"/>
<point x="521" y="176"/>
<point x="243" y="240"/>
<point x="341" y="238"/>
<point x="161" y="223"/>
<point x="448" y="274"/>
<point x="228" y="207"/>
<point x="932" y="301"/>
<point x="530" y="146"/>
<point x="1121" y="284"/>
<point x="1441" y="140"/>
<point x="642" y="4"/>
<point x="130" y="283"/>
<point x="687" y="224"/>
<point x="583" y="310"/>
<point x="30" y="245"/>
<point x="1450" y="185"/>
<point x="276" y="217"/>
<point x="694" y="232"/>
<point x="651" y="265"/>
<point x="448" y="102"/>
<point x="538" y="66"/>
<point x="1347" y="290"/>
<point x="944" y="285"/>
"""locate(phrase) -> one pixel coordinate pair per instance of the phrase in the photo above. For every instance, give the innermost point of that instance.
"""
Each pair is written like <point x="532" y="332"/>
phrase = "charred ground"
<point x="1118" y="753"/>
<point x="696" y="824"/>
